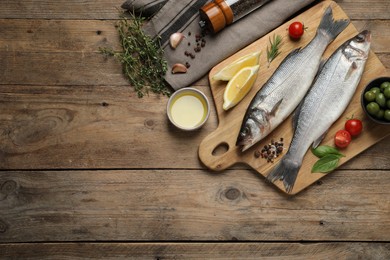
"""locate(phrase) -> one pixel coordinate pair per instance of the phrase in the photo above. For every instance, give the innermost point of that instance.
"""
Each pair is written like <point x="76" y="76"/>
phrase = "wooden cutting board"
<point x="218" y="151"/>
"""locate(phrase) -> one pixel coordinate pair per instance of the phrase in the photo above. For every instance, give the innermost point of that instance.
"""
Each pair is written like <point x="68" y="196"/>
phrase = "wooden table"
<point x="87" y="169"/>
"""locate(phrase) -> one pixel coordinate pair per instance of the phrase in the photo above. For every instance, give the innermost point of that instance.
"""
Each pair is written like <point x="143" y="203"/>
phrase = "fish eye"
<point x="245" y="131"/>
<point x="360" y="38"/>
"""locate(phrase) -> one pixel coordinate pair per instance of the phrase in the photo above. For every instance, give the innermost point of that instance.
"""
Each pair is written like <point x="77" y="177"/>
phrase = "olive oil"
<point x="188" y="110"/>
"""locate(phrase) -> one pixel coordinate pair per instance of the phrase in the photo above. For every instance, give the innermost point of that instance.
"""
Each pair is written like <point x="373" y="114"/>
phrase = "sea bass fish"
<point x="281" y="94"/>
<point x="327" y="99"/>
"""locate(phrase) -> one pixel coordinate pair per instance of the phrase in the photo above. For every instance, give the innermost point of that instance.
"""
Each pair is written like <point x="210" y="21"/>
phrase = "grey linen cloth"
<point x="170" y="16"/>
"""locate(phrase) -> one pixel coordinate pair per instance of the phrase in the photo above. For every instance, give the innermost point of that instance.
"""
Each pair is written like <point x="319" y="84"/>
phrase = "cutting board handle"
<point x="218" y="154"/>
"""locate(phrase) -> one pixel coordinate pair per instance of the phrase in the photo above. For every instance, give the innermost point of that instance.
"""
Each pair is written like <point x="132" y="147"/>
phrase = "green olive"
<point x="380" y="114"/>
<point x="384" y="85"/>
<point x="369" y="96"/>
<point x="388" y="103"/>
<point x="380" y="99"/>
<point x="375" y="90"/>
<point x="372" y="108"/>
<point x="386" y="92"/>
<point x="387" y="114"/>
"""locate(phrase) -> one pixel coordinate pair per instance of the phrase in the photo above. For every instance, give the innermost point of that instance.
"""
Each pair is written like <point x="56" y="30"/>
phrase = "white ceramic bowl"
<point x="188" y="109"/>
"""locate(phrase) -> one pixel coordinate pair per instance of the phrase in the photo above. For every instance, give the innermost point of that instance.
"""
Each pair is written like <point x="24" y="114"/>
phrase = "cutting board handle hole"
<point x="220" y="149"/>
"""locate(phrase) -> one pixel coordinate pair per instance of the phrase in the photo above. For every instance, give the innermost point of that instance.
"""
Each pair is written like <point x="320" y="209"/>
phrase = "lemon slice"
<point x="239" y="86"/>
<point x="230" y="70"/>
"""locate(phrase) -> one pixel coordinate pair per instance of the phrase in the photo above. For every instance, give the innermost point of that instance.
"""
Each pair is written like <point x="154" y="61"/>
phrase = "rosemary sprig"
<point x="142" y="57"/>
<point x="273" y="50"/>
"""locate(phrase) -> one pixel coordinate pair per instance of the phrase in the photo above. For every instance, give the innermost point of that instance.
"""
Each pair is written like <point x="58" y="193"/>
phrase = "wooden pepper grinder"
<point x="218" y="14"/>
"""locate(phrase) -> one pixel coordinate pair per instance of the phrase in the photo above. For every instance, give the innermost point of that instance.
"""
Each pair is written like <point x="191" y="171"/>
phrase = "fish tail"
<point x="286" y="171"/>
<point x="329" y="26"/>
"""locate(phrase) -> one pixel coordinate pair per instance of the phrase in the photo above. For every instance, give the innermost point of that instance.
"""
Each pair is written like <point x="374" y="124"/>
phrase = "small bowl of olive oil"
<point x="188" y="109"/>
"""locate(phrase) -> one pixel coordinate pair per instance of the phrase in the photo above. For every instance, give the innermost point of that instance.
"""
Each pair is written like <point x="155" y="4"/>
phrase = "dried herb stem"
<point x="142" y="57"/>
<point x="274" y="49"/>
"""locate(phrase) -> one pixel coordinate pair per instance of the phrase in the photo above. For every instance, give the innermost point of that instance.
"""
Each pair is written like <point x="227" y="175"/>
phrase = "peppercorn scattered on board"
<point x="218" y="150"/>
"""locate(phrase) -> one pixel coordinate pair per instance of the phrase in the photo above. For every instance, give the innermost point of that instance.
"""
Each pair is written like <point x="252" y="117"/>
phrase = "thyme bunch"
<point x="142" y="58"/>
<point x="273" y="50"/>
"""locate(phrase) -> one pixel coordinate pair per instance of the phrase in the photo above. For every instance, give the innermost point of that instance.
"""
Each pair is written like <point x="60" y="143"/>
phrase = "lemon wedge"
<point x="227" y="73"/>
<point x="239" y="86"/>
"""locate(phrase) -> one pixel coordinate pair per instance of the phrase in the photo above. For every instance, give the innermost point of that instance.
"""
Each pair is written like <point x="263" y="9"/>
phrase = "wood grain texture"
<point x="57" y="36"/>
<point x="62" y="9"/>
<point x="108" y="9"/>
<point x="321" y="251"/>
<point x="38" y="35"/>
<point x="81" y="127"/>
<point x="173" y="205"/>
<point x="366" y="10"/>
<point x="55" y="52"/>
<point x="82" y="159"/>
<point x="380" y="35"/>
<point x="91" y="127"/>
<point x="230" y="121"/>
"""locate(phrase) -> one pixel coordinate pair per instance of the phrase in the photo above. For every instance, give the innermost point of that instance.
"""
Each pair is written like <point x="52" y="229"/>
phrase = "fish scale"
<point x="281" y="94"/>
<point x="324" y="103"/>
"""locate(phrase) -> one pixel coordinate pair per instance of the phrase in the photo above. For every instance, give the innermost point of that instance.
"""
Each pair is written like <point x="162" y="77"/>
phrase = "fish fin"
<point x="286" y="171"/>
<point x="319" y="140"/>
<point x="320" y="67"/>
<point x="351" y="70"/>
<point x="331" y="27"/>
<point x="261" y="98"/>
<point x="257" y="100"/>
<point x="295" y="116"/>
<point x="275" y="108"/>
<point x="292" y="53"/>
<point x="288" y="59"/>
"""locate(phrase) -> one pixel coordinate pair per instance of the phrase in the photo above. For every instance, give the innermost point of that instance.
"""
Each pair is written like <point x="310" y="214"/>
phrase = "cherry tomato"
<point x="296" y="30"/>
<point x="354" y="126"/>
<point x="342" y="138"/>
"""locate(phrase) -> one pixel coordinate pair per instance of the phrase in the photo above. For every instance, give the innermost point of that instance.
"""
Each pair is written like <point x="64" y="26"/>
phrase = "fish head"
<point x="248" y="133"/>
<point x="358" y="47"/>
<point x="252" y="129"/>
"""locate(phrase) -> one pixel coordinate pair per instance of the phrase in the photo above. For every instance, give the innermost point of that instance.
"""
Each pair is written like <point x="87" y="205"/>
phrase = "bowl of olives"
<point x="376" y="100"/>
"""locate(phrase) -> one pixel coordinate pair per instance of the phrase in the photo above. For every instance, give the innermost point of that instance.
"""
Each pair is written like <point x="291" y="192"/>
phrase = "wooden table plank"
<point x="106" y="127"/>
<point x="108" y="9"/>
<point x="366" y="10"/>
<point x="158" y="251"/>
<point x="75" y="68"/>
<point x="48" y="36"/>
<point x="173" y="205"/>
<point x="60" y="9"/>
<point x="38" y="35"/>
<point x="55" y="52"/>
<point x="62" y="68"/>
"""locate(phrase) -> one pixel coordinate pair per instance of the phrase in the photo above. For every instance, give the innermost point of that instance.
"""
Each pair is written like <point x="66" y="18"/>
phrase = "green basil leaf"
<point x="327" y="163"/>
<point x="324" y="150"/>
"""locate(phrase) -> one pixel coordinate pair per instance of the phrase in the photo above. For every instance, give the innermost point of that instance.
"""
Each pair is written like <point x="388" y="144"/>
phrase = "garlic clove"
<point x="179" y="68"/>
<point x="175" y="39"/>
